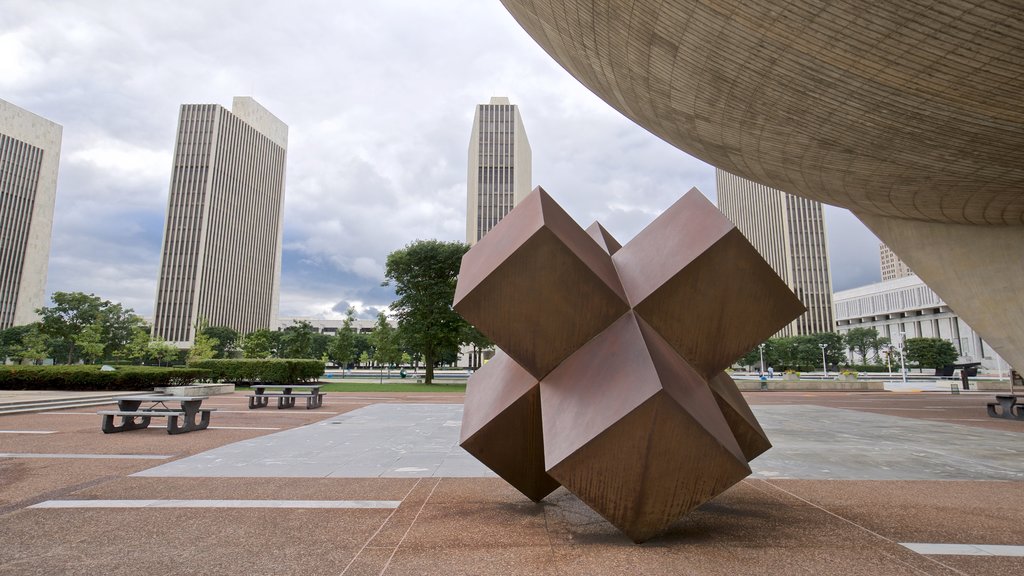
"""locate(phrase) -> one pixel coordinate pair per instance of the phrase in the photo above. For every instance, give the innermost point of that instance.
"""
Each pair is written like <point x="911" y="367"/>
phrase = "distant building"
<point x="221" y="256"/>
<point x="789" y="233"/>
<point x="29" y="156"/>
<point x="892" y="266"/>
<point x="499" y="166"/>
<point x="329" y="327"/>
<point x="907" y="307"/>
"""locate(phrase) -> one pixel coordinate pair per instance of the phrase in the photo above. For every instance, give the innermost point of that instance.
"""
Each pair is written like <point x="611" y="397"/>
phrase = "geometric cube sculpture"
<point x="612" y="384"/>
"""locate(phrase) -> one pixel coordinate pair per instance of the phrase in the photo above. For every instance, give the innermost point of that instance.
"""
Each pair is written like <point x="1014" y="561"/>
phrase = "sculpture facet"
<point x="624" y="405"/>
<point x="537" y="249"/>
<point x="501" y="425"/>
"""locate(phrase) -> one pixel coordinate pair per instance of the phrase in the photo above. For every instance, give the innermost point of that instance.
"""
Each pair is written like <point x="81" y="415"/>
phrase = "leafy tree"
<point x="341" y="350"/>
<point x="364" y="359"/>
<point x="386" y="350"/>
<point x="90" y="342"/>
<point x="297" y="340"/>
<point x="930" y="352"/>
<point x="35" y="345"/>
<point x="162" y="351"/>
<point x="862" y="341"/>
<point x="319" y="345"/>
<point x="11" y="341"/>
<point x="362" y="344"/>
<point x="226" y="337"/>
<point x="73" y="312"/>
<point x="424" y="274"/>
<point x="204" y="347"/>
<point x="258" y="344"/>
<point x="835" y="347"/>
<point x="137" y="349"/>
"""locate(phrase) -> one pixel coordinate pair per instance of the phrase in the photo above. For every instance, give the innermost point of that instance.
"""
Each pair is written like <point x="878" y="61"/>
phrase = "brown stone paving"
<point x="476" y="525"/>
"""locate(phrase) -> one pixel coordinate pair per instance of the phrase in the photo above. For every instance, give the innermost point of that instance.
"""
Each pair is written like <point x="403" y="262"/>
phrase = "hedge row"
<point x="268" y="371"/>
<point x="123" y="378"/>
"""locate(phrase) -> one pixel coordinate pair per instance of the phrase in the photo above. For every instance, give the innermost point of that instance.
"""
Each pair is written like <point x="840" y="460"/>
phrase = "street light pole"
<point x="903" y="366"/>
<point x="824" y="367"/>
<point x="761" y="346"/>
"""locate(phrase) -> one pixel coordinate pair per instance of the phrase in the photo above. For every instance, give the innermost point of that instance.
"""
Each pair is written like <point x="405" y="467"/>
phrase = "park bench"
<point x="1009" y="407"/>
<point x="260" y="398"/>
<point x="188" y="417"/>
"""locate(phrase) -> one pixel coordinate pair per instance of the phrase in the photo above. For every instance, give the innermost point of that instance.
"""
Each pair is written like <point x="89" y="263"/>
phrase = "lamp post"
<point x="824" y="367"/>
<point x="888" y="359"/>
<point x="761" y="346"/>
<point x="903" y="366"/>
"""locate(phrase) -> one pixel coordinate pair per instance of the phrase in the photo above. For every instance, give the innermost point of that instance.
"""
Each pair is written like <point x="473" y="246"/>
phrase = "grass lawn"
<point x="370" y="386"/>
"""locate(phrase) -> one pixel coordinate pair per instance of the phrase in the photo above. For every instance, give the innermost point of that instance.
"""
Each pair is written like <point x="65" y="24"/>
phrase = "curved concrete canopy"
<point x="911" y="109"/>
<point x="910" y="114"/>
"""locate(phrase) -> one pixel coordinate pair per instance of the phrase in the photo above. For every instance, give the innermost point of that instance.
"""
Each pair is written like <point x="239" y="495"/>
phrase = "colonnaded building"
<point x="905" y="307"/>
<point x="500" y="163"/>
<point x="789" y="233"/>
<point x="29" y="157"/>
<point x="221" y="256"/>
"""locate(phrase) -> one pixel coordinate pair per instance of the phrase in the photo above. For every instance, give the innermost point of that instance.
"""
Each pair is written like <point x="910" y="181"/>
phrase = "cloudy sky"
<point x="379" y="99"/>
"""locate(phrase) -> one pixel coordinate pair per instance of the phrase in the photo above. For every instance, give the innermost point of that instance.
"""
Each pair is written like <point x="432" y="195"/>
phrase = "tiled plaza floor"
<point x="373" y="484"/>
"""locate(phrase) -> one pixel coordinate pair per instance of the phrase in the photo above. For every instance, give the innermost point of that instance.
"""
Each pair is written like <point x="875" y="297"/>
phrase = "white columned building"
<point x="499" y="166"/>
<point x="907" y="306"/>
<point x="29" y="157"/>
<point x="221" y="255"/>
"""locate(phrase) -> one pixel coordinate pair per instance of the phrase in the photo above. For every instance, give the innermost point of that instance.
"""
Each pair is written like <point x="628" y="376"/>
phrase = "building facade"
<point x="499" y="166"/>
<point x="907" y="308"/>
<point x="789" y="233"/>
<point x="29" y="157"/>
<point x="892" y="266"/>
<point x="221" y="255"/>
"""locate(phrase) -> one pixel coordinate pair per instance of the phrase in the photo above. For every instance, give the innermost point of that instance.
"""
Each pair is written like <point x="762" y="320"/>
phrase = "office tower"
<point x="499" y="166"/>
<point x="221" y="256"/>
<point x="892" y="266"/>
<point x="789" y="233"/>
<point x="29" y="156"/>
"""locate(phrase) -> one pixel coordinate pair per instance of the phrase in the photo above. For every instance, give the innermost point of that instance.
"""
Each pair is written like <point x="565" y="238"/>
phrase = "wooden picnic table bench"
<point x="134" y="416"/>
<point x="1010" y="408"/>
<point x="260" y="398"/>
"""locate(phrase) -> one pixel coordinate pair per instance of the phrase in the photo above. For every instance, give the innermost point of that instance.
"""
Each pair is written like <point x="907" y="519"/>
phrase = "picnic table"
<point x="260" y="397"/>
<point x="1010" y="408"/>
<point x="135" y="416"/>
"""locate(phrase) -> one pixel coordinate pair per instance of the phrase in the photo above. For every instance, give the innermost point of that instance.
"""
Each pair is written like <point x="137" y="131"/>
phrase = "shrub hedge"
<point x="268" y="371"/>
<point x="123" y="378"/>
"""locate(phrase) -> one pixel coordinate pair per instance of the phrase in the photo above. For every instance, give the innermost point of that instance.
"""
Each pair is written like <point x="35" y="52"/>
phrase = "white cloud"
<point x="379" y="106"/>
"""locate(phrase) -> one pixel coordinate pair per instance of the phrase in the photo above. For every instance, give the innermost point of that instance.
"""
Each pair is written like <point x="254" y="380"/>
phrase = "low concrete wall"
<point x="198" y="390"/>
<point x="779" y="385"/>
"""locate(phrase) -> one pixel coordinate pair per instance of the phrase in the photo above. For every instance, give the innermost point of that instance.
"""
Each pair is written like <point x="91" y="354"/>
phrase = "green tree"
<point x="226" y="337"/>
<point x="90" y="342"/>
<point x="364" y="359"/>
<point x="386" y="349"/>
<point x="835" y="348"/>
<point x="930" y="352"/>
<point x="73" y="312"/>
<point x="341" y="350"/>
<point x="11" y="341"/>
<point x="258" y="344"/>
<point x="137" y="349"/>
<point x="162" y="351"/>
<point x="204" y="347"/>
<point x="424" y="274"/>
<point x="862" y="341"/>
<point x="35" y="345"/>
<point x="297" y="340"/>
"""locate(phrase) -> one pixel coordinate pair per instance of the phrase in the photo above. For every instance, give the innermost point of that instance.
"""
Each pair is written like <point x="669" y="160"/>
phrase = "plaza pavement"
<point x="857" y="483"/>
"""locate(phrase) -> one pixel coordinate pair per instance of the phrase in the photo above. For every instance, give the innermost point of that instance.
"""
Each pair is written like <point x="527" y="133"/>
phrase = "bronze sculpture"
<point x="610" y="376"/>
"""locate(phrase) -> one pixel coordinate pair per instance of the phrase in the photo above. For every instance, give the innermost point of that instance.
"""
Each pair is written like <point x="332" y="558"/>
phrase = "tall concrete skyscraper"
<point x="789" y="233"/>
<point x="221" y="256"/>
<point x="29" y="156"/>
<point x="499" y="166"/>
<point x="893" y="266"/>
